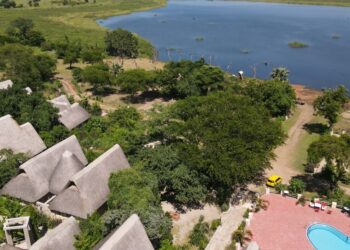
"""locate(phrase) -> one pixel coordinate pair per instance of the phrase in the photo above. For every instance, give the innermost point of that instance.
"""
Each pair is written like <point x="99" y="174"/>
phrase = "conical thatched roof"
<point x="129" y="236"/>
<point x="89" y="189"/>
<point x="68" y="166"/>
<point x="36" y="174"/>
<point x="21" y="139"/>
<point x="71" y="116"/>
<point x="6" y="84"/>
<point x="59" y="238"/>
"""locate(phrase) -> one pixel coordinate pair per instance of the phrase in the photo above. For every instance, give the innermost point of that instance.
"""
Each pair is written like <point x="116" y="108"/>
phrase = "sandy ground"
<point x="184" y="225"/>
<point x="230" y="221"/>
<point x="283" y="164"/>
<point x="137" y="63"/>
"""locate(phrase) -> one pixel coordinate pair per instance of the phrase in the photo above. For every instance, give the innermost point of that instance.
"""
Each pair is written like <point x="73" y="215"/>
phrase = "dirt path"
<point x="230" y="221"/>
<point x="184" y="225"/>
<point x="69" y="89"/>
<point x="283" y="164"/>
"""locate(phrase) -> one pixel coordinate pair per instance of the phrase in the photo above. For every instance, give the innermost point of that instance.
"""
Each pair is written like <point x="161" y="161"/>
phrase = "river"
<point x="252" y="37"/>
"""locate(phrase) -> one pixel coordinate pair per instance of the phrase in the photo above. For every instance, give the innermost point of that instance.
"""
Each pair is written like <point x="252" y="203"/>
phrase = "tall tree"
<point x="23" y="30"/>
<point x="223" y="136"/>
<point x="336" y="151"/>
<point x="330" y="103"/>
<point x="25" y="67"/>
<point x="277" y="96"/>
<point x="121" y="43"/>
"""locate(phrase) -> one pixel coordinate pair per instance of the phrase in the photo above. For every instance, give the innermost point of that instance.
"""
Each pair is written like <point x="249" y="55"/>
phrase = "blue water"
<point x="230" y="29"/>
<point x="324" y="237"/>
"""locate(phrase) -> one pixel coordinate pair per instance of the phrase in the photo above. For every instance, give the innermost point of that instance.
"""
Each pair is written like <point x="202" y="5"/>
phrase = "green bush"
<point x="199" y="234"/>
<point x="215" y="224"/>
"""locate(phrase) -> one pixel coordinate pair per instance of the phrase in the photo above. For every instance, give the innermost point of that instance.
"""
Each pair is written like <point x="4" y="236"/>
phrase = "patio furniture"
<point x="329" y="212"/>
<point x="311" y="204"/>
<point x="318" y="205"/>
<point x="346" y="209"/>
<point x="317" y="209"/>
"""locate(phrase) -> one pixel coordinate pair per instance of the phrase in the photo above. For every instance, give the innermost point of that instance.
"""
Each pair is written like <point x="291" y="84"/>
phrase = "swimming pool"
<point x="325" y="237"/>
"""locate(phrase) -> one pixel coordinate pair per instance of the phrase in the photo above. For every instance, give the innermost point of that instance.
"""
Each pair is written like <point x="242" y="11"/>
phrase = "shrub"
<point x="198" y="236"/>
<point x="296" y="186"/>
<point x="215" y="224"/>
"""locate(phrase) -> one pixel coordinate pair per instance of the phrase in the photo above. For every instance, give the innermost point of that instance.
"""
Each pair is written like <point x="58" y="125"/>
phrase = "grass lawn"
<point x="300" y="155"/>
<point x="345" y="3"/>
<point x="76" y="22"/>
<point x="286" y="125"/>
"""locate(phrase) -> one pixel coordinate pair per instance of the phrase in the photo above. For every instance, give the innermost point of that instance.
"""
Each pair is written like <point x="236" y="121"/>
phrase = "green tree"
<point x="296" y="186"/>
<point x="132" y="81"/>
<point x="9" y="165"/>
<point x="98" y="75"/>
<point x="280" y="74"/>
<point x="278" y="97"/>
<point x="222" y="136"/>
<point x="72" y="53"/>
<point x="32" y="108"/>
<point x="24" y="67"/>
<point x="121" y="43"/>
<point x="176" y="182"/>
<point x="187" y="78"/>
<point x="336" y="151"/>
<point x="7" y="4"/>
<point x="199" y="234"/>
<point x="330" y="103"/>
<point x="133" y="192"/>
<point x="22" y="29"/>
<point x="92" y="231"/>
<point x="92" y="55"/>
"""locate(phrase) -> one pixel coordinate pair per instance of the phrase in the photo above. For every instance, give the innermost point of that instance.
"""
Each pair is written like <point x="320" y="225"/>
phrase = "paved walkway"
<point x="283" y="226"/>
<point x="230" y="221"/>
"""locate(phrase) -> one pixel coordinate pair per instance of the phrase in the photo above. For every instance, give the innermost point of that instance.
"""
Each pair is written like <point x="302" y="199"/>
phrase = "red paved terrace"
<point x="284" y="224"/>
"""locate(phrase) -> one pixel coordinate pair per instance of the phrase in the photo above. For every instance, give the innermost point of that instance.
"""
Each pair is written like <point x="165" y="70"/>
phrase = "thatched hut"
<point x="129" y="236"/>
<point x="59" y="238"/>
<point x="88" y="188"/>
<point x="71" y="116"/>
<point x="48" y="172"/>
<point x="20" y="139"/>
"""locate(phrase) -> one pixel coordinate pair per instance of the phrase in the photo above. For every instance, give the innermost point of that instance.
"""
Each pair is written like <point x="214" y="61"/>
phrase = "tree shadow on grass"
<point x="317" y="128"/>
<point x="315" y="183"/>
<point x="144" y="97"/>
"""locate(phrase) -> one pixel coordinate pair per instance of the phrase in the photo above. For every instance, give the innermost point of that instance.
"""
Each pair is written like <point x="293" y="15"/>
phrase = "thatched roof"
<point x="47" y="172"/>
<point x="59" y="238"/>
<point x="129" y="236"/>
<point x="89" y="187"/>
<point x="21" y="139"/>
<point x="71" y="116"/>
<point x="6" y="84"/>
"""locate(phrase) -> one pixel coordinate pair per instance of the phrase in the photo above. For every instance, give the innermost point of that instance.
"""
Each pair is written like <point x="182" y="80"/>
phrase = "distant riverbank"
<point x="340" y="3"/>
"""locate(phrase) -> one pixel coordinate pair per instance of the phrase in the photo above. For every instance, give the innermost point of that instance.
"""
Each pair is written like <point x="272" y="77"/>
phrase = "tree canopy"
<point x="330" y="103"/>
<point x="24" y="67"/>
<point x="33" y="108"/>
<point x="121" y="43"/>
<point x="223" y="136"/>
<point x="9" y="164"/>
<point x="336" y="151"/>
<point x="187" y="78"/>
<point x="22" y="29"/>
<point x="277" y="96"/>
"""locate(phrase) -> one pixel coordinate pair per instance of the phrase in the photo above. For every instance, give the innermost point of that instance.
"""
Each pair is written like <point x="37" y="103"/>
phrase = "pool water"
<point x="325" y="237"/>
